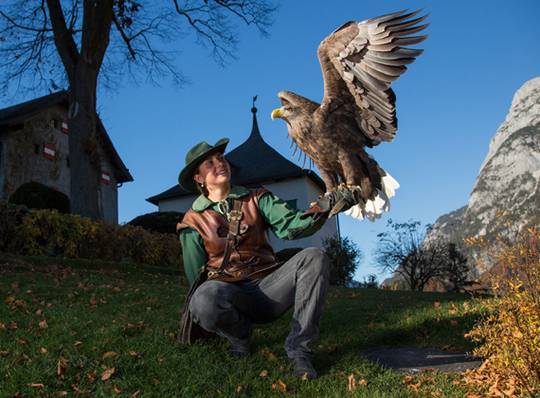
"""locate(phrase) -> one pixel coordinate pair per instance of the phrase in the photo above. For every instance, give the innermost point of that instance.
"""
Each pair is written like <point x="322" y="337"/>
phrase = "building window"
<point x="55" y="123"/>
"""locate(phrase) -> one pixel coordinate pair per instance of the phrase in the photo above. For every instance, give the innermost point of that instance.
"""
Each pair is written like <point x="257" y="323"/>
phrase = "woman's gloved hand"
<point x="334" y="202"/>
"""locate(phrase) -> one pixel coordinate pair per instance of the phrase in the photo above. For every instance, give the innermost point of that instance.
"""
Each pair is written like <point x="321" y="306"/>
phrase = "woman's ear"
<point x="198" y="178"/>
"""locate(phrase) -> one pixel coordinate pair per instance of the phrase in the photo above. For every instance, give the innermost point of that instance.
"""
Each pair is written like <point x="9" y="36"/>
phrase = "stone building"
<point x="255" y="163"/>
<point x="34" y="147"/>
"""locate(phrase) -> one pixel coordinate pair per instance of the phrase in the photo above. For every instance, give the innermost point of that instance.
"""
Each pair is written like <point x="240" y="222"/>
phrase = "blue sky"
<point x="449" y="103"/>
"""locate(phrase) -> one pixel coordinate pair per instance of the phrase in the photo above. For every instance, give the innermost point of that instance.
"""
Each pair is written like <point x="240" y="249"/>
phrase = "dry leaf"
<point x="106" y="375"/>
<point x="110" y="354"/>
<point x="61" y="366"/>
<point x="77" y="343"/>
<point x="39" y="312"/>
<point x="4" y="353"/>
<point x="93" y="300"/>
<point x="351" y="383"/>
<point x="362" y="382"/>
<point x="43" y="324"/>
<point x="36" y="385"/>
<point x="239" y="389"/>
<point x="116" y="389"/>
<point x="269" y="354"/>
<point x="136" y="394"/>
<point x="91" y="376"/>
<point x="264" y="373"/>
<point x="134" y="354"/>
<point x="436" y="304"/>
<point x="61" y="393"/>
<point x="9" y="299"/>
<point x="279" y="385"/>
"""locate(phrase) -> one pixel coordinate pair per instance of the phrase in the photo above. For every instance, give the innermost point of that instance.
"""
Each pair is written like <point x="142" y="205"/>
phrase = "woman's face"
<point x="214" y="171"/>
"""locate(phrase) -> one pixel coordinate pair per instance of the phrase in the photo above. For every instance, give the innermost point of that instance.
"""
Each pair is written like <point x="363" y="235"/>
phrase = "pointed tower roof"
<point x="253" y="163"/>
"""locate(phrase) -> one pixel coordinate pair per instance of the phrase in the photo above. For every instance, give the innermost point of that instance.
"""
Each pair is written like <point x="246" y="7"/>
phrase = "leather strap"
<point x="234" y="218"/>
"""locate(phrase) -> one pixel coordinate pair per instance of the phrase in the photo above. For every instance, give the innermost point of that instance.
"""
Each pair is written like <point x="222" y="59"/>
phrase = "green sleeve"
<point x="193" y="253"/>
<point x="285" y="221"/>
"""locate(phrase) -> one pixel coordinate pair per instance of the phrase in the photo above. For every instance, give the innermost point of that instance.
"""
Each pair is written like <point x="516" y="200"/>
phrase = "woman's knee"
<point x="204" y="301"/>
<point x="317" y="259"/>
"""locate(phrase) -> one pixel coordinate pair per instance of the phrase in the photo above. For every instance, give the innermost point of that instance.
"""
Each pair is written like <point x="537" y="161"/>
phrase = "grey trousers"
<point x="230" y="309"/>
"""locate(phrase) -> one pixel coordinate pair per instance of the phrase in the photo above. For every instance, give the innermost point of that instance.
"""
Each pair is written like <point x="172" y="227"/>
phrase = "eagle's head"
<point x="292" y="107"/>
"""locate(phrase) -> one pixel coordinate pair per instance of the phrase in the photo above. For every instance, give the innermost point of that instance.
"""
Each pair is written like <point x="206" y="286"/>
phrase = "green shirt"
<point x="283" y="220"/>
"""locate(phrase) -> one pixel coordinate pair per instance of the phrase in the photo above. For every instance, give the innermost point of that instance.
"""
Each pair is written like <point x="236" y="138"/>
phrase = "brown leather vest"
<point x="252" y="257"/>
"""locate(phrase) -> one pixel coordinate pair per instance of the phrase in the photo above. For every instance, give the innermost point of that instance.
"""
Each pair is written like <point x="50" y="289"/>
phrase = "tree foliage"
<point x="344" y="257"/>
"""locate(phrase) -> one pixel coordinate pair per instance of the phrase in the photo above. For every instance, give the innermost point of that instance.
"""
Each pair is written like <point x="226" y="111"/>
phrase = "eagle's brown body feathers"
<point x="359" y="61"/>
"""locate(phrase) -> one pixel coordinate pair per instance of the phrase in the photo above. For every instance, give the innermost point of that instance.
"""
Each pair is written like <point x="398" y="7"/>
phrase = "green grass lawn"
<point x="65" y="326"/>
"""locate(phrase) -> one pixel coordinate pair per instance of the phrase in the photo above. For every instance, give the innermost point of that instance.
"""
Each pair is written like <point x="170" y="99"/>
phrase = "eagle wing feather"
<point x="360" y="61"/>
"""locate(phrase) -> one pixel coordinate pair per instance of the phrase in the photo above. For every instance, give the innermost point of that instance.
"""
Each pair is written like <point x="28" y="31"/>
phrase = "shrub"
<point x="48" y="232"/>
<point x="10" y="216"/>
<point x="38" y="196"/>
<point x="510" y="333"/>
<point x="344" y="258"/>
<point x="158" y="221"/>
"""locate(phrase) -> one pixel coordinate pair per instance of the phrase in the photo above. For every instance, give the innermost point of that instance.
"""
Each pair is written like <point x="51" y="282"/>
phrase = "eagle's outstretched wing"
<point x="360" y="60"/>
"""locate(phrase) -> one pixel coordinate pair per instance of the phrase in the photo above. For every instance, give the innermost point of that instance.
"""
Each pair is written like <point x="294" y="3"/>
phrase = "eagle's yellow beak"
<point x="276" y="113"/>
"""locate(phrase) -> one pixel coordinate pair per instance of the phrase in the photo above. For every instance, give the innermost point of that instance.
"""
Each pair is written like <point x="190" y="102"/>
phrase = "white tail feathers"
<point x="373" y="209"/>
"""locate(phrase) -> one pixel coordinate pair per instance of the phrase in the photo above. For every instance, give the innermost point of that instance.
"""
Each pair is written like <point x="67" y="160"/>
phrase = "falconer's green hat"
<point x="194" y="157"/>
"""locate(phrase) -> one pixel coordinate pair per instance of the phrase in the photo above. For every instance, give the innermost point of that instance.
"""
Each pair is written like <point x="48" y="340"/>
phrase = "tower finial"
<point x="254" y="109"/>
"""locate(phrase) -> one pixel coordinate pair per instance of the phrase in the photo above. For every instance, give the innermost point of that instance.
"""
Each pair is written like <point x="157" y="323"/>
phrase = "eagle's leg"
<point x="329" y="178"/>
<point x="355" y="173"/>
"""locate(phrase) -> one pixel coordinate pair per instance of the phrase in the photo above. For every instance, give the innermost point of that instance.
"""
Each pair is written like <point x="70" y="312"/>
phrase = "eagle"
<point x="359" y="62"/>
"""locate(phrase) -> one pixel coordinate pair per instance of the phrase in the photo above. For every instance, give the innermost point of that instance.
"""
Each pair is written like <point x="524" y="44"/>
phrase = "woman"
<point x="224" y="234"/>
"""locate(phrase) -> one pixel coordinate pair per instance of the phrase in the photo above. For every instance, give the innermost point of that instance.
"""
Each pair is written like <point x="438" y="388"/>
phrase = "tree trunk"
<point x="83" y="144"/>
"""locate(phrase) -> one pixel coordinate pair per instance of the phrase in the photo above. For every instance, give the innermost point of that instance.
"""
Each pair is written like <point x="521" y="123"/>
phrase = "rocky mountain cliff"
<point x="506" y="195"/>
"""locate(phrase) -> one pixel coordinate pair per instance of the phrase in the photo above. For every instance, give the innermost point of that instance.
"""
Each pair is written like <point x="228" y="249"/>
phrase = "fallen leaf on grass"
<point x="43" y="350"/>
<point x="36" y="385"/>
<point x="239" y="389"/>
<point x="110" y="354"/>
<point x="436" y="304"/>
<point x="279" y="385"/>
<point x="61" y="366"/>
<point x="134" y="354"/>
<point x="351" y="383"/>
<point x="77" y="343"/>
<point x="39" y="312"/>
<point x="106" y="375"/>
<point x="116" y="389"/>
<point x="61" y="393"/>
<point x="9" y="299"/>
<point x="136" y="394"/>
<point x="91" y="376"/>
<point x="4" y="353"/>
<point x="362" y="382"/>
<point x="264" y="373"/>
<point x="43" y="324"/>
<point x="269" y="354"/>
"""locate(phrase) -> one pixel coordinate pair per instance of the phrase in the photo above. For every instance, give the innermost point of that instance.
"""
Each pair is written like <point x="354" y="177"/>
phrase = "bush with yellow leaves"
<point x="509" y="335"/>
<point x="48" y="232"/>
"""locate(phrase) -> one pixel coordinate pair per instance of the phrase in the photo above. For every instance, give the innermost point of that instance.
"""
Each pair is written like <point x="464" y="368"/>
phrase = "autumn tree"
<point x="78" y="44"/>
<point x="401" y="250"/>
